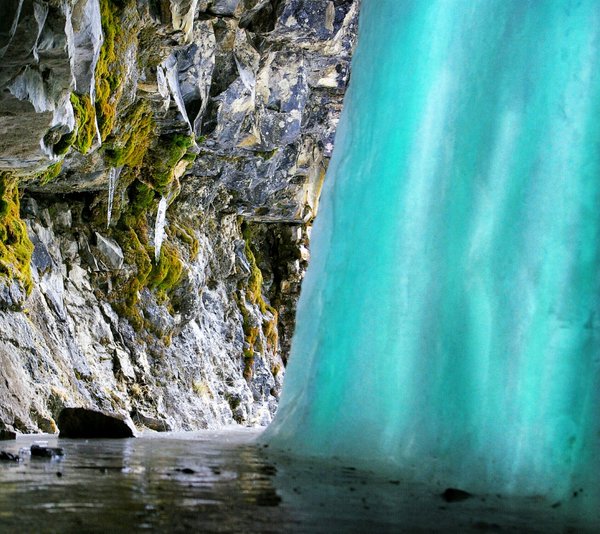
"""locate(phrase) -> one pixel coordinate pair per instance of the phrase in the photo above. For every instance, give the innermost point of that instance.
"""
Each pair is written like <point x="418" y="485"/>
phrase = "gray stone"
<point x="40" y="258"/>
<point x="12" y="294"/>
<point x="110" y="253"/>
<point x="225" y="7"/>
<point x="153" y="423"/>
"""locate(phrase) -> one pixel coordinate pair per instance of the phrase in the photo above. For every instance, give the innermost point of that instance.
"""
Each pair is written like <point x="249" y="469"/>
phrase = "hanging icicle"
<point x="159" y="227"/>
<point x="113" y="177"/>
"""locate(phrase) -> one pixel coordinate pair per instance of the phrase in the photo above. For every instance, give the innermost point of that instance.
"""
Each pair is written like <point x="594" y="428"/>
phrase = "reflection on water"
<point x="223" y="482"/>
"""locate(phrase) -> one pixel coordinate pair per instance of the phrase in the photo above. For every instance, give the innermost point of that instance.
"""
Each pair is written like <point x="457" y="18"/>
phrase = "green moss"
<point x="111" y="67"/>
<point x="252" y="291"/>
<point x="167" y="272"/>
<point x="64" y="143"/>
<point x="131" y="233"/>
<point x="15" y="246"/>
<point x="129" y="144"/>
<point x="141" y="199"/>
<point x="190" y="158"/>
<point x="271" y="331"/>
<point x="166" y="155"/>
<point x="252" y="335"/>
<point x="50" y="173"/>
<point x="126" y="295"/>
<point x="255" y="281"/>
<point x="187" y="235"/>
<point x="85" y="118"/>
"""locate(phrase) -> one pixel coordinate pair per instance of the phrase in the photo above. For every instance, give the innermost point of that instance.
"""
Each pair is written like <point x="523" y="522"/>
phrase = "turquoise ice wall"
<point x="449" y="324"/>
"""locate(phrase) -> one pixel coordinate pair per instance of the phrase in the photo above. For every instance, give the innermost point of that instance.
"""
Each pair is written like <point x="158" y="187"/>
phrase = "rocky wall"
<point x="160" y="167"/>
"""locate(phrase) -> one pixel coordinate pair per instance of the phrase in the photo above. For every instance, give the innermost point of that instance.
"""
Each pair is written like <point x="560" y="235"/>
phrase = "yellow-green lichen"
<point x="131" y="232"/>
<point x="186" y="234"/>
<point x="85" y="120"/>
<point x="111" y="67"/>
<point x="167" y="272"/>
<point x="132" y="137"/>
<point x="253" y="295"/>
<point x="50" y="173"/>
<point x="15" y="246"/>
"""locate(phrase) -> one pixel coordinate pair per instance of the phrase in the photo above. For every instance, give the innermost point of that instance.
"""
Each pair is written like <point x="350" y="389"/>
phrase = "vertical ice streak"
<point x="113" y="178"/>
<point x="159" y="227"/>
<point x="449" y="325"/>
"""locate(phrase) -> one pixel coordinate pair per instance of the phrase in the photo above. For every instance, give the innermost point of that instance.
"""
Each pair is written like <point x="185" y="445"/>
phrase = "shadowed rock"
<point x="83" y="423"/>
<point x="40" y="451"/>
<point x="7" y="434"/>
<point x="455" y="495"/>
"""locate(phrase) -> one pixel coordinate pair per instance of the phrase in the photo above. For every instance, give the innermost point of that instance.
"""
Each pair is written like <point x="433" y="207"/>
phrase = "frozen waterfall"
<point x="449" y="325"/>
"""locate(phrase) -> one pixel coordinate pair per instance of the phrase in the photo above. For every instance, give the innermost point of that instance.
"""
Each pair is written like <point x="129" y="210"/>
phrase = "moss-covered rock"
<point x="251" y="293"/>
<point x="143" y="271"/>
<point x="132" y="137"/>
<point x="167" y="155"/>
<point x="85" y="120"/>
<point x="120" y="33"/>
<point x="15" y="246"/>
<point x="50" y="173"/>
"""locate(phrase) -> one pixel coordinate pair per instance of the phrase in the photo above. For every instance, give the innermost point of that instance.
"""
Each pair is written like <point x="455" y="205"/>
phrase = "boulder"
<point x="82" y="423"/>
<point x="7" y="434"/>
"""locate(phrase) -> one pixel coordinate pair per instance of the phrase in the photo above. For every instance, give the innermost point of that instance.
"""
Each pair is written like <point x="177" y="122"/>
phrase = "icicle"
<point x="159" y="227"/>
<point x="113" y="177"/>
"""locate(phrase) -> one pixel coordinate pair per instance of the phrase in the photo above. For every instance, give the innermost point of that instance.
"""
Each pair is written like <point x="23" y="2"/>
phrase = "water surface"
<point x="224" y="482"/>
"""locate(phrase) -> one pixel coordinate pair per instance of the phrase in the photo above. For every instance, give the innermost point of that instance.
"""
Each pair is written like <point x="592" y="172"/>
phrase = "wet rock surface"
<point x="225" y="112"/>
<point x="40" y="451"/>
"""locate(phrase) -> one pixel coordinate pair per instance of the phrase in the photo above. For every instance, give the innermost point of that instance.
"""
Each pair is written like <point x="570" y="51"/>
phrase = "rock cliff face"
<point x="160" y="166"/>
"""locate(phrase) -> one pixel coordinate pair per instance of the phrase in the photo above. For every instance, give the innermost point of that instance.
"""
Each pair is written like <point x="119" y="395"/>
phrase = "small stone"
<point x="63" y="219"/>
<point x="29" y="207"/>
<point x="185" y="471"/>
<point x="40" y="451"/>
<point x="9" y="457"/>
<point x="304" y="253"/>
<point x="455" y="495"/>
